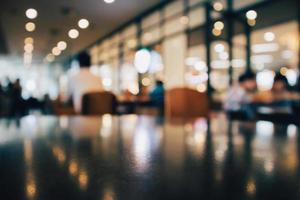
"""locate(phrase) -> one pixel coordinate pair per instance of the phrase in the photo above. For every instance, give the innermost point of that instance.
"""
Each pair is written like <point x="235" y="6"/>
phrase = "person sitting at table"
<point x="281" y="96"/>
<point x="240" y="96"/>
<point x="157" y="95"/>
<point x="83" y="82"/>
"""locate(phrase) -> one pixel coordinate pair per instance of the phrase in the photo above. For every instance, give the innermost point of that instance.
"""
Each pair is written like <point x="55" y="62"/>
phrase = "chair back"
<point x="99" y="103"/>
<point x="186" y="103"/>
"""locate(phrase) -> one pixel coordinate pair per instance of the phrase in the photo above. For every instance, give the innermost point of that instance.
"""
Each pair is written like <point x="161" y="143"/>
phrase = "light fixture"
<point x="30" y="26"/>
<point x="50" y="57"/>
<point x="109" y="1"/>
<point x="83" y="23"/>
<point x="269" y="36"/>
<point x="62" y="45"/>
<point x="56" y="51"/>
<point x="251" y="14"/>
<point x="31" y="13"/>
<point x="73" y="34"/>
<point x="218" y="6"/>
<point x="219" y="25"/>
<point x="28" y="48"/>
<point x="28" y="40"/>
<point x="216" y="32"/>
<point x="251" y="22"/>
<point x="219" y="48"/>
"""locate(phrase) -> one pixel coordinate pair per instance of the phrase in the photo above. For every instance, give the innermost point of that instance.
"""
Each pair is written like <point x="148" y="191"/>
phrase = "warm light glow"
<point x="56" y="51"/>
<point x="216" y="32"/>
<point x="219" y="25"/>
<point x="109" y="1"/>
<point x="269" y="36"/>
<point x="27" y="58"/>
<point x="28" y="48"/>
<point x="62" y="45"/>
<point x="73" y="34"/>
<point x="251" y="22"/>
<point x="218" y="6"/>
<point x="201" y="88"/>
<point x="251" y="14"/>
<point x="31" y="13"/>
<point x="83" y="23"/>
<point x="265" y="80"/>
<point x="283" y="71"/>
<point x="30" y="26"/>
<point x="200" y="66"/>
<point x="146" y="81"/>
<point x="219" y="48"/>
<point x="28" y="40"/>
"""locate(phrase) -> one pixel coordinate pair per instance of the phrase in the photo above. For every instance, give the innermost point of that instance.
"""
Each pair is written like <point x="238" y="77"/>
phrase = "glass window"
<point x="174" y="8"/>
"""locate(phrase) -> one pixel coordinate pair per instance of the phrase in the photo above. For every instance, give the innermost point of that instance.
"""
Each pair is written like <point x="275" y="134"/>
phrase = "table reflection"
<point x="140" y="157"/>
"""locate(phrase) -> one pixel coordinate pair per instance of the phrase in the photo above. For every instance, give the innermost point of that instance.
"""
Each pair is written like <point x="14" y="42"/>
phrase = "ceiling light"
<point x="30" y="26"/>
<point x="251" y="22"/>
<point x="83" y="23"/>
<point x="219" y="48"/>
<point x="109" y="1"/>
<point x="56" y="51"/>
<point x="28" y="40"/>
<point x="251" y="14"/>
<point x="31" y="13"/>
<point x="265" y="47"/>
<point x="62" y="45"/>
<point x="216" y="32"/>
<point x="219" y="25"/>
<point x="269" y="36"/>
<point x="28" y="48"/>
<point x="73" y="33"/>
<point x="50" y="57"/>
<point x="218" y="6"/>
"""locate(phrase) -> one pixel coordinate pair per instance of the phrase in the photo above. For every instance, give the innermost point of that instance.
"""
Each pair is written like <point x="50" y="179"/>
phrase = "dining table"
<point x="140" y="157"/>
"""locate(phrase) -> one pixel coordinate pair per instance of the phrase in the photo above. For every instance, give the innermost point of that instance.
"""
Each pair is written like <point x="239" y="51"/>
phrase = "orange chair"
<point x="186" y="103"/>
<point x="99" y="103"/>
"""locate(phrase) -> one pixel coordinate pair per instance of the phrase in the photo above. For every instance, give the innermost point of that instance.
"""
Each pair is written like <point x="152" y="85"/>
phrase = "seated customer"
<point x="83" y="82"/>
<point x="157" y="95"/>
<point x="281" y="96"/>
<point x="240" y="96"/>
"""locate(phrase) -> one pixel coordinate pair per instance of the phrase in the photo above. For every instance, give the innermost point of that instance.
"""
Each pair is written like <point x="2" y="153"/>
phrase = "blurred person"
<point x="240" y="96"/>
<point x="157" y="95"/>
<point x="83" y="82"/>
<point x="17" y="102"/>
<point x="281" y="96"/>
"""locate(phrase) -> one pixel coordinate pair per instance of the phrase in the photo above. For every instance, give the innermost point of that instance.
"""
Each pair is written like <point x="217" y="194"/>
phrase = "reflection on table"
<point x="139" y="157"/>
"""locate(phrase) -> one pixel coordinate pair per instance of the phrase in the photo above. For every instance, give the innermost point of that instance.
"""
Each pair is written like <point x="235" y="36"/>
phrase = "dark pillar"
<point x="208" y="38"/>
<point x="248" y="47"/>
<point x="139" y="46"/>
<point x="230" y="26"/>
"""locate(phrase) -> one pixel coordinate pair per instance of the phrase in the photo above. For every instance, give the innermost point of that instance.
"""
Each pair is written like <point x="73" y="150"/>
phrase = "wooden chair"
<point x="99" y="103"/>
<point x="186" y="103"/>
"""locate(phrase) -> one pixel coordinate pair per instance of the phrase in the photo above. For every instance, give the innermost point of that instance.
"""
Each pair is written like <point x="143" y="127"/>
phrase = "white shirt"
<point x="82" y="83"/>
<point x="236" y="97"/>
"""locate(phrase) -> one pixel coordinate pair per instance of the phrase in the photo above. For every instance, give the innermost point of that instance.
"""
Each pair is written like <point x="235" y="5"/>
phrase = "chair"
<point x="99" y="103"/>
<point x="186" y="103"/>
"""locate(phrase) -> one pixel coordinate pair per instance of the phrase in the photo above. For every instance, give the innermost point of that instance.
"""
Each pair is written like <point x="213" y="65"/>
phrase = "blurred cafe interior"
<point x="150" y="99"/>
